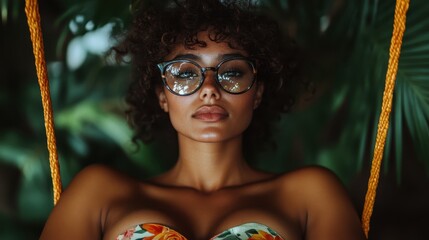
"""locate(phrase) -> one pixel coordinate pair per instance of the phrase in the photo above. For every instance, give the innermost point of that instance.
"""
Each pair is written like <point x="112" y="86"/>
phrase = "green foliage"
<point x="337" y="129"/>
<point x="346" y="45"/>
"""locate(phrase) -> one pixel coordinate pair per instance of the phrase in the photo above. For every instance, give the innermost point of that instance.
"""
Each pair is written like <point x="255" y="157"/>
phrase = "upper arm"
<point x="330" y="213"/>
<point x="78" y="213"/>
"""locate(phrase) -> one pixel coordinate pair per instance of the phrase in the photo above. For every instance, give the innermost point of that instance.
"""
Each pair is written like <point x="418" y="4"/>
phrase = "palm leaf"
<point x="413" y="80"/>
<point x="411" y="97"/>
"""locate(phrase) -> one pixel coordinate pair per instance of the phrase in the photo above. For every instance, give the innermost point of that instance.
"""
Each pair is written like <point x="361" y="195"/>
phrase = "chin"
<point x="210" y="137"/>
<point x="215" y="137"/>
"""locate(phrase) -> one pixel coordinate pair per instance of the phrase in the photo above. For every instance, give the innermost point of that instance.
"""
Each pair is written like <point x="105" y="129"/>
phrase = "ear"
<point x="162" y="99"/>
<point x="259" y="94"/>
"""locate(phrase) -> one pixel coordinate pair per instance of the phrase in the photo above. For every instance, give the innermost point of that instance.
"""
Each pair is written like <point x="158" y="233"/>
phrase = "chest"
<point x="202" y="216"/>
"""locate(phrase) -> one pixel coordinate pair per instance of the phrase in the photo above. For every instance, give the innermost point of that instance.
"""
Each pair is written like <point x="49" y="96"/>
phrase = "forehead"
<point x="212" y="51"/>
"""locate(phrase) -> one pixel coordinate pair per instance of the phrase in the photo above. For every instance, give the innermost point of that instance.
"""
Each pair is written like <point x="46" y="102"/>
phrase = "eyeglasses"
<point x="184" y="77"/>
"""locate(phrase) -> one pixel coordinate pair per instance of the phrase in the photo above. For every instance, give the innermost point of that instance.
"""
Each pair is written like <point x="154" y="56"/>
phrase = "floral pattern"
<point x="264" y="235"/>
<point x="247" y="231"/>
<point x="150" y="231"/>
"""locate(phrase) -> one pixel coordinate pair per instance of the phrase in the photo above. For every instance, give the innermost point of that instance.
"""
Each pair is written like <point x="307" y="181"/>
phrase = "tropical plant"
<point x="345" y="44"/>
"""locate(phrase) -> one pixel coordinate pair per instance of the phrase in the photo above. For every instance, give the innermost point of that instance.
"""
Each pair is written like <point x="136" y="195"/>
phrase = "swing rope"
<point x="33" y="20"/>
<point x="383" y="122"/>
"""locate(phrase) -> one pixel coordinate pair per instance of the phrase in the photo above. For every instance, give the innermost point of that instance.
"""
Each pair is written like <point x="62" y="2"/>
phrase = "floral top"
<point x="247" y="231"/>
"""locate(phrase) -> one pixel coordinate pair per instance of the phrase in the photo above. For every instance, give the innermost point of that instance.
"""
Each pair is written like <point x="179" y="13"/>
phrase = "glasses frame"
<point x="163" y="65"/>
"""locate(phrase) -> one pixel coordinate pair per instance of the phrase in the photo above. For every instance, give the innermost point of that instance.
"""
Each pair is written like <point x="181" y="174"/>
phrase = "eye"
<point x="235" y="69"/>
<point x="182" y="71"/>
<point x="186" y="74"/>
<point x="233" y="73"/>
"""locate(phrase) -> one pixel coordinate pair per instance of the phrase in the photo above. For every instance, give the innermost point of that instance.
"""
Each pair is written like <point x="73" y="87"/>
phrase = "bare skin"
<point x="211" y="188"/>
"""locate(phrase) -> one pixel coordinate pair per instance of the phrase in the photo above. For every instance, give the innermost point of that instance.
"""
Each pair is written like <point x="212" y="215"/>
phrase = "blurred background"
<point x="345" y="47"/>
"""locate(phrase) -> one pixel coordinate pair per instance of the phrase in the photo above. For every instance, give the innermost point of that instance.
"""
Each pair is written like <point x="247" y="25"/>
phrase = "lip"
<point x="210" y="113"/>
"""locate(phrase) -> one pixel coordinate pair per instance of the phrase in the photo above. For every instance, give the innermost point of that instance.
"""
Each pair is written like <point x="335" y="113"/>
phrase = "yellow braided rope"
<point x="383" y="124"/>
<point x="33" y="20"/>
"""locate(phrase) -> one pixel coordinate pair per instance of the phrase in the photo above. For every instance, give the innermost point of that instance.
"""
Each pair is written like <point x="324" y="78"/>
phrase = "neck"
<point x="208" y="167"/>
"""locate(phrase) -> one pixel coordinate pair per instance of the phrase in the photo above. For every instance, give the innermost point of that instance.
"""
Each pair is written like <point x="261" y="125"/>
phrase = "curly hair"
<point x="158" y="28"/>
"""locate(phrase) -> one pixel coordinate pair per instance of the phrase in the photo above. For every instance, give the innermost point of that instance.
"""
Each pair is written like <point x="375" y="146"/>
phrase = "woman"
<point x="220" y="74"/>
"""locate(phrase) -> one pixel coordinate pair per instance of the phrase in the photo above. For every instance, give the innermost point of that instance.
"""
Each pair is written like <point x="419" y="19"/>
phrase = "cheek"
<point x="177" y="110"/>
<point x="246" y="101"/>
<point x="244" y="109"/>
<point x="177" y="119"/>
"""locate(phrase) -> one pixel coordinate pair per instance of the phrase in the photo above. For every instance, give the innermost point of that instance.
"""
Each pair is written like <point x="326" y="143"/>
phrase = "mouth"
<point x="210" y="113"/>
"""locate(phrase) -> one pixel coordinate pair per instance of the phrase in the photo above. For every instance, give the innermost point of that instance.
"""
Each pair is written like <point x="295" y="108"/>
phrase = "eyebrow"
<point x="196" y="57"/>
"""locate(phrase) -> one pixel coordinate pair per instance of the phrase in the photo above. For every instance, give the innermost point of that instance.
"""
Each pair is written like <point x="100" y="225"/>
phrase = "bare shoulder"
<point x="311" y="173"/>
<point x="310" y="186"/>
<point x="329" y="212"/>
<point x="99" y="181"/>
<point x="309" y="181"/>
<point x="82" y="207"/>
<point x="97" y="174"/>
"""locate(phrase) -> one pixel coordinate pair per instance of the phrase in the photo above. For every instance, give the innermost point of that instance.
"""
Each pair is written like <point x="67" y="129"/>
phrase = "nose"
<point x="209" y="90"/>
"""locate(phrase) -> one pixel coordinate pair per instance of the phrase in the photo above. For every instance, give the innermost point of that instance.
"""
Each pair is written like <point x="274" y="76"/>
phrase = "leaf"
<point x="398" y="125"/>
<point x="224" y="234"/>
<point x="92" y="119"/>
<point x="413" y="80"/>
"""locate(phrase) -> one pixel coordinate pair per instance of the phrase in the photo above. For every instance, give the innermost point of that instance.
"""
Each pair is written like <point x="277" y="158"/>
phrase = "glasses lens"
<point x="236" y="76"/>
<point x="183" y="77"/>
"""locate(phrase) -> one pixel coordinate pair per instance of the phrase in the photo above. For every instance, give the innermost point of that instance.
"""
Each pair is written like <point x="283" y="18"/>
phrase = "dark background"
<point x="345" y="47"/>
